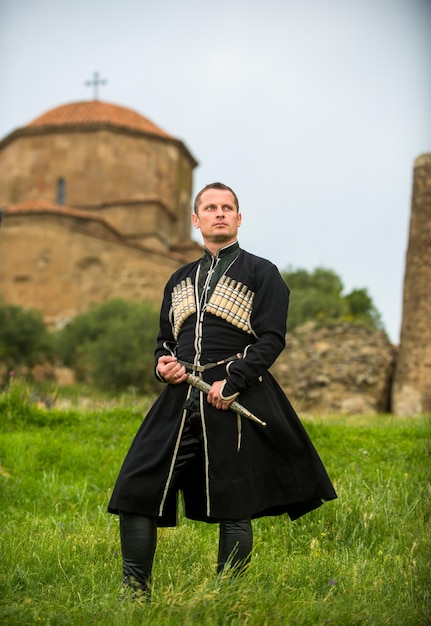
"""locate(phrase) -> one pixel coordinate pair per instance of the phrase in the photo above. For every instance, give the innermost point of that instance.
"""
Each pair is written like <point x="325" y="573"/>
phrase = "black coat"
<point x="246" y="470"/>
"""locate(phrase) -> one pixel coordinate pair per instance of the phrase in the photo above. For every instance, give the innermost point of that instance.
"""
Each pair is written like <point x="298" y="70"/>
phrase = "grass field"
<point x="362" y="559"/>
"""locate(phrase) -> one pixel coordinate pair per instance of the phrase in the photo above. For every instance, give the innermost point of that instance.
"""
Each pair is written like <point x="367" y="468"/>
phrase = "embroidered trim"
<point x="206" y="454"/>
<point x="233" y="302"/>
<point x="232" y="397"/>
<point x="182" y="304"/>
<point x="174" y="458"/>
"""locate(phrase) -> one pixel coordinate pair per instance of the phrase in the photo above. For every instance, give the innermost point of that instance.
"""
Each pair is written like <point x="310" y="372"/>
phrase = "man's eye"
<point x="227" y="208"/>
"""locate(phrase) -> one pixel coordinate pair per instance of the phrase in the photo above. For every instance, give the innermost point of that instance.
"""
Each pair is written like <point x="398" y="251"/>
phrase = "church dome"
<point x="93" y="113"/>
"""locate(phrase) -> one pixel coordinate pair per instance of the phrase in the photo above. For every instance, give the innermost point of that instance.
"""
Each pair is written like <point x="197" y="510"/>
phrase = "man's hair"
<point x="215" y="186"/>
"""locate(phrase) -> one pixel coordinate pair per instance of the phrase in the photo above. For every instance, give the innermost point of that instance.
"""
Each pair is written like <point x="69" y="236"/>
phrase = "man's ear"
<point x="195" y="220"/>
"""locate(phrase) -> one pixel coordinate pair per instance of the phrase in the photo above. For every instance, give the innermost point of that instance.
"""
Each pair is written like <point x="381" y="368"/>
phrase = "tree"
<point x="24" y="339"/>
<point x="112" y="345"/>
<point x="318" y="296"/>
<point x="362" y="308"/>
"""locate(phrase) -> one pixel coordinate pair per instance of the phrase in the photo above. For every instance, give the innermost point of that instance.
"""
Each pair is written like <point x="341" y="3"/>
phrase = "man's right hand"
<point x="170" y="370"/>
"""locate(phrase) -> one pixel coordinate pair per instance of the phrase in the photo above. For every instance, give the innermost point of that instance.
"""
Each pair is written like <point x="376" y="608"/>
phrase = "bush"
<point x="24" y="339"/>
<point x="112" y="346"/>
<point x="317" y="296"/>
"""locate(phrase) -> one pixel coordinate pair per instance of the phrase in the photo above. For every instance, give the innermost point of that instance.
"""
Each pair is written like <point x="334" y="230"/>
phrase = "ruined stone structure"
<point x="340" y="369"/>
<point x="96" y="204"/>
<point x="411" y="392"/>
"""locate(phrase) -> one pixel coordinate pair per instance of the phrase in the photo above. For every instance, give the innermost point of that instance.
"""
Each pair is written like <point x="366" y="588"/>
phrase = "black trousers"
<point x="139" y="532"/>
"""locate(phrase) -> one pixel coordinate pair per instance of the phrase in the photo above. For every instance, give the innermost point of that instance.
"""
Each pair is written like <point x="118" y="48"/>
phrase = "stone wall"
<point x="63" y="265"/>
<point x="340" y="369"/>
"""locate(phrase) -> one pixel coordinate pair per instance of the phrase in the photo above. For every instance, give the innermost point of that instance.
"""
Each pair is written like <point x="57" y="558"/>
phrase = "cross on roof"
<point x="95" y="83"/>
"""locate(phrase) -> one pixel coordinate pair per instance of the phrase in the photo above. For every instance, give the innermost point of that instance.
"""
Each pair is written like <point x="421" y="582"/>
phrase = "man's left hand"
<point x="214" y="397"/>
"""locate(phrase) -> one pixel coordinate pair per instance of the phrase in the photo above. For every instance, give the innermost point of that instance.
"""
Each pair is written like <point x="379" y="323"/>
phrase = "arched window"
<point x="61" y="191"/>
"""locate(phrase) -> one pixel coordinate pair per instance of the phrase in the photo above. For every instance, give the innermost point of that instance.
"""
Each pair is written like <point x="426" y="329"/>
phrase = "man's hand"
<point x="214" y="397"/>
<point x="170" y="370"/>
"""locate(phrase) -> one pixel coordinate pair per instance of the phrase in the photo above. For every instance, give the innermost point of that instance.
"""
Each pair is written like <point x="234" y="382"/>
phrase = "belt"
<point x="209" y="366"/>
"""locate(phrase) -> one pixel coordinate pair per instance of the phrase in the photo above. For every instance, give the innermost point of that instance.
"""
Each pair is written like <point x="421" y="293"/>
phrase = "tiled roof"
<point x="142" y="199"/>
<point x="93" y="112"/>
<point x="147" y="199"/>
<point x="44" y="206"/>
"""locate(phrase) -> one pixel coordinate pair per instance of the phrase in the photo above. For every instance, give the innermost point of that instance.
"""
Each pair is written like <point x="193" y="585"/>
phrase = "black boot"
<point x="235" y="546"/>
<point x="138" y="545"/>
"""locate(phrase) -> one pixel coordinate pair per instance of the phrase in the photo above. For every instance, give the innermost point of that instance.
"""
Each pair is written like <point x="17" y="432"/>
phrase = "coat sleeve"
<point x="268" y="320"/>
<point x="166" y="344"/>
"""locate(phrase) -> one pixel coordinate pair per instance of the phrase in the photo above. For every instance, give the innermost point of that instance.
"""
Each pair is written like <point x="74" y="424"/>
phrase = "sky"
<point x="313" y="111"/>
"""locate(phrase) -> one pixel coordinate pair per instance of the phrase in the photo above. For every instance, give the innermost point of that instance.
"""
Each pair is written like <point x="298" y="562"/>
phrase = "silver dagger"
<point x="235" y="406"/>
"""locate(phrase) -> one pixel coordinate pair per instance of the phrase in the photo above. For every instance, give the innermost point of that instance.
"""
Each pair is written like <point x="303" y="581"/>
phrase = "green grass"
<point x="363" y="559"/>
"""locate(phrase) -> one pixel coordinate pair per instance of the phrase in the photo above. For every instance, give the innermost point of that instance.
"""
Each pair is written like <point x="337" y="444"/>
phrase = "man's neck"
<point x="214" y="248"/>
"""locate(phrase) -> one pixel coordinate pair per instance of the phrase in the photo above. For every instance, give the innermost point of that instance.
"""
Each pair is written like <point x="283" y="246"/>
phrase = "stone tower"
<point x="411" y="393"/>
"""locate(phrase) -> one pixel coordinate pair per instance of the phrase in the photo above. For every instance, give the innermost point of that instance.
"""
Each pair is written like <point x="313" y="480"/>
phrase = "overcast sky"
<point x="312" y="110"/>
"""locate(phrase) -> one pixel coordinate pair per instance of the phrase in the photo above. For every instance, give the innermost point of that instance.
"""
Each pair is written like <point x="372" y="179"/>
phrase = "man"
<point x="223" y="318"/>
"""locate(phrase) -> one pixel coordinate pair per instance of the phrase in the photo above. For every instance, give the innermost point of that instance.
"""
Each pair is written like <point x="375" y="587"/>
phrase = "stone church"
<point x="96" y="203"/>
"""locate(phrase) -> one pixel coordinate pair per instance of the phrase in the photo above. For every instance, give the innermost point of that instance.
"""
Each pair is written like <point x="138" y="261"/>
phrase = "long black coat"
<point x="211" y="310"/>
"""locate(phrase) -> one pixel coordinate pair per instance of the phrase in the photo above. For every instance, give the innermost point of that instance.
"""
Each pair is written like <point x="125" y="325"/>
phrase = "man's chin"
<point x="221" y="238"/>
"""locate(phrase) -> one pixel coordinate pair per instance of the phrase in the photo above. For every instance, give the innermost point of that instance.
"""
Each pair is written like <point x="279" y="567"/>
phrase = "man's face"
<point x="217" y="218"/>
